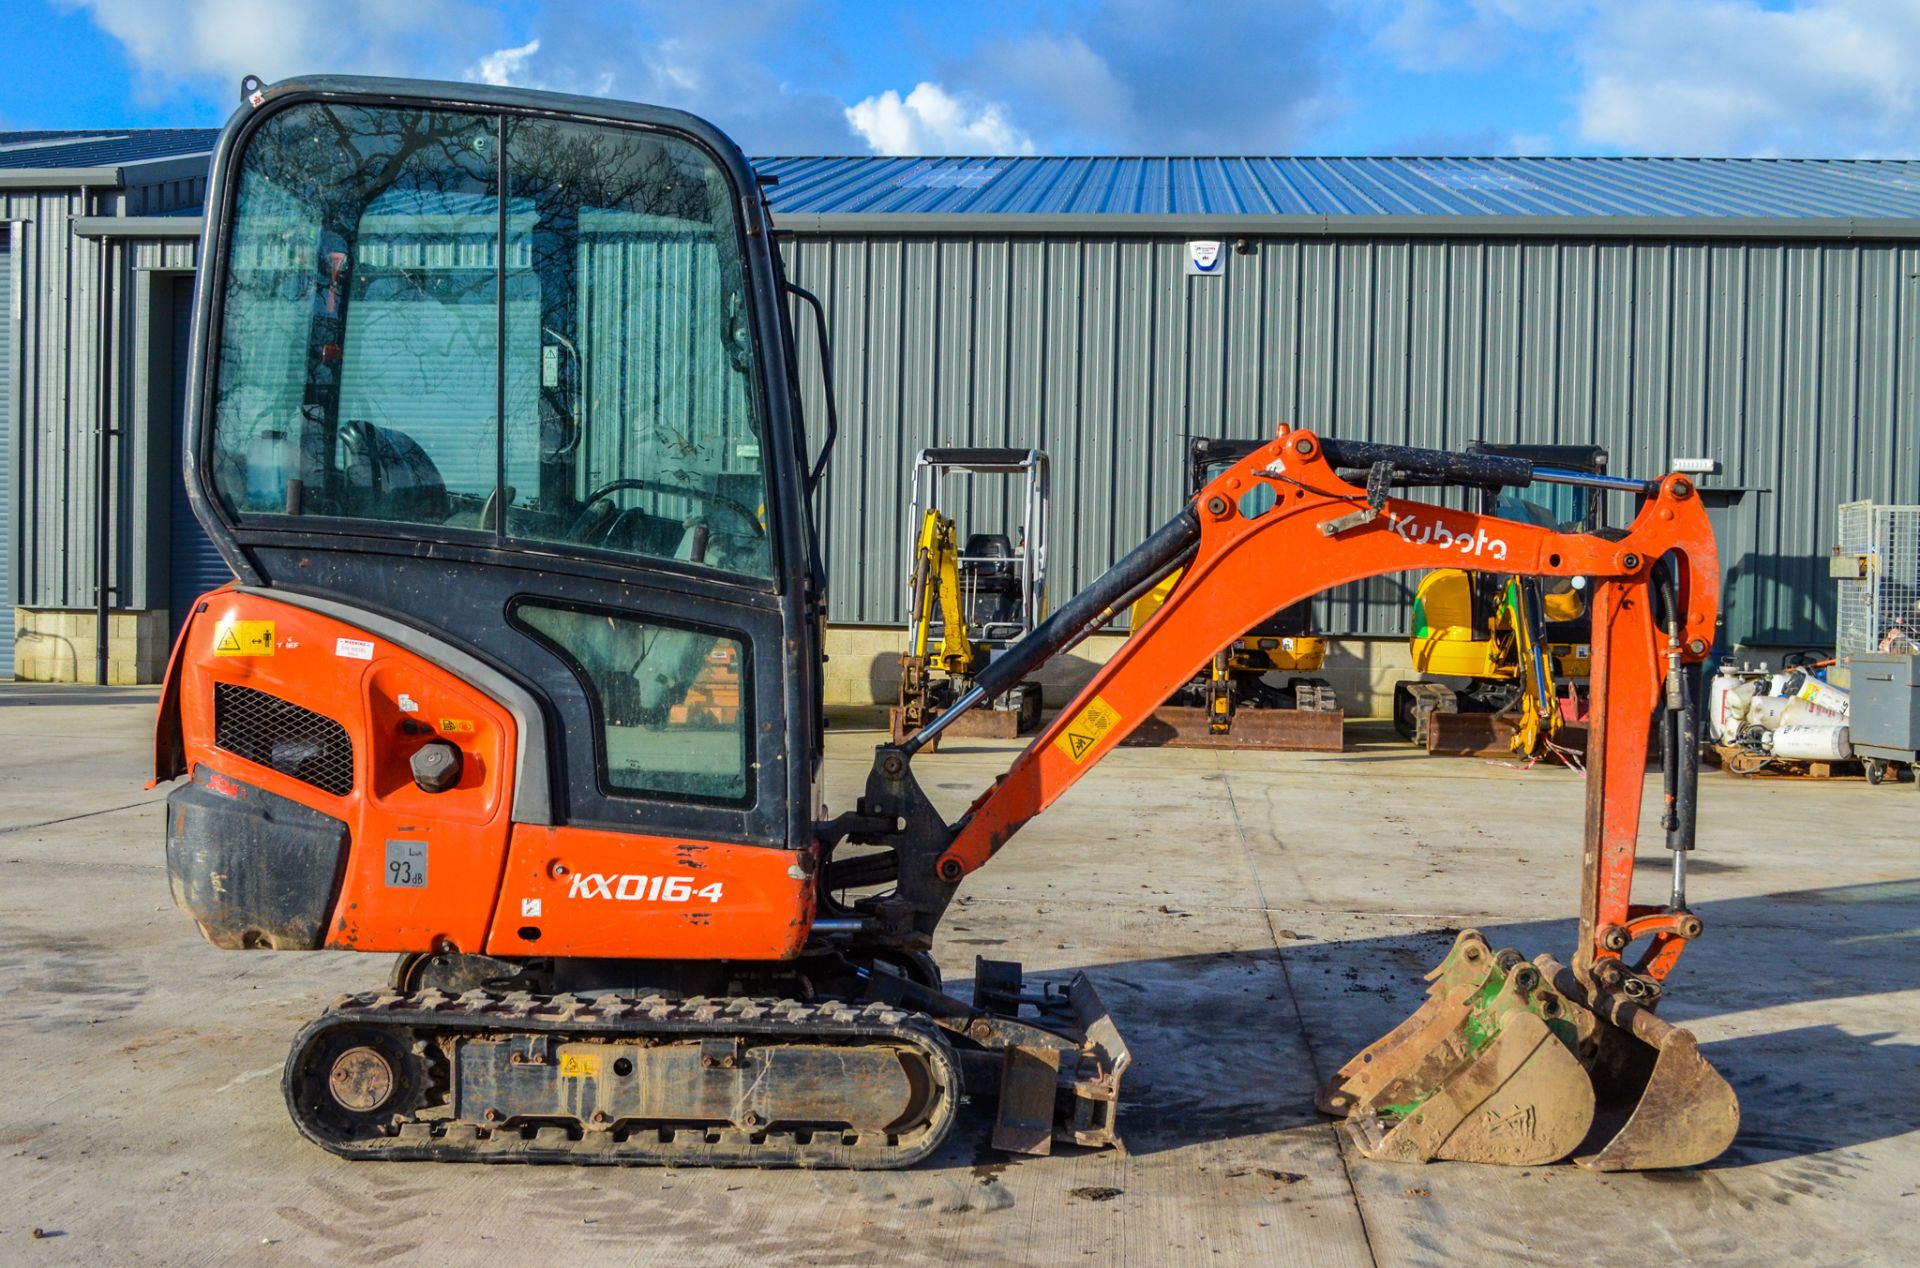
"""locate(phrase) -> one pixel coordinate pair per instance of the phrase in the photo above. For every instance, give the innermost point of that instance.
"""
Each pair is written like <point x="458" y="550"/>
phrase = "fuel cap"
<point x="436" y="765"/>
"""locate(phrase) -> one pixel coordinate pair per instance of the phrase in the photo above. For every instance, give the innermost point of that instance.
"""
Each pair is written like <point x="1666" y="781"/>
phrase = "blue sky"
<point x="1750" y="77"/>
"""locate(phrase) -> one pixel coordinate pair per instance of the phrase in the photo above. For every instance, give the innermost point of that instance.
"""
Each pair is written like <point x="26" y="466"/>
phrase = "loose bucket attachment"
<point x="1484" y="1071"/>
<point x="1516" y="1063"/>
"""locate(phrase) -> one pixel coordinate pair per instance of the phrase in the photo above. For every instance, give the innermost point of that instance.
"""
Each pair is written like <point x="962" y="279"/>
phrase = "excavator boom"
<point x="1655" y="607"/>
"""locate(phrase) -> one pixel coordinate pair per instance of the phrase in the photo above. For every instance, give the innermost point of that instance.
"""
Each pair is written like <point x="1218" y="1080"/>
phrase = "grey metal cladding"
<point x="1791" y="361"/>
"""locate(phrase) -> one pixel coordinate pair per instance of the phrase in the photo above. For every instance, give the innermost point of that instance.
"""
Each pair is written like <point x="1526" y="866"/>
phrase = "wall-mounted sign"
<point x="1204" y="259"/>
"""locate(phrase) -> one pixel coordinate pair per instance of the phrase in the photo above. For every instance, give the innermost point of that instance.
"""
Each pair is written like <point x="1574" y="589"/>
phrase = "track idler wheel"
<point x="356" y="1083"/>
<point x="1484" y="1071"/>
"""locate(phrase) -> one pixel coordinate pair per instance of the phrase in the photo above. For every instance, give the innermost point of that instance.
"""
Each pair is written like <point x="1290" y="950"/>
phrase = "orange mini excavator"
<point x="495" y="417"/>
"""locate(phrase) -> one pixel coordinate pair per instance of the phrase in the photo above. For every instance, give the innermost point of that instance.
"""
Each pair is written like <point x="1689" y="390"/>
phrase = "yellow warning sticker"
<point x="579" y="1065"/>
<point x="1087" y="729"/>
<point x="243" y="638"/>
<point x="456" y="726"/>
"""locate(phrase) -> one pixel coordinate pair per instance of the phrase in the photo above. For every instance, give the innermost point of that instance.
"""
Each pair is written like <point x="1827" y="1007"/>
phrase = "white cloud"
<point x="1162" y="76"/>
<point x="713" y="61"/>
<point x="1822" y="77"/>
<point x="171" y="41"/>
<point x="1434" y="35"/>
<point x="504" y="67"/>
<point x="929" y="120"/>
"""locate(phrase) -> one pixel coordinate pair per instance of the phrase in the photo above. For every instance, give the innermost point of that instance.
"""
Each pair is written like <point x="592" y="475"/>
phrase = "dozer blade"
<point x="1661" y="1104"/>
<point x="1484" y="1071"/>
<point x="1059" y="1074"/>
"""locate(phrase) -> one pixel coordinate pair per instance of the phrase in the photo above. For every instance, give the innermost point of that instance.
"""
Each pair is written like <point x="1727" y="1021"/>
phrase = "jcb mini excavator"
<point x="967" y="604"/>
<point x="1233" y="704"/>
<point x="1521" y="643"/>
<point x="494" y="414"/>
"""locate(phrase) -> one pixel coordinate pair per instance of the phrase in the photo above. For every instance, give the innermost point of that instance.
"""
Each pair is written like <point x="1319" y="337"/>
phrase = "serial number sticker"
<point x="579" y="1065"/>
<point x="353" y="648"/>
<point x="243" y="638"/>
<point x="406" y="864"/>
<point x="456" y="726"/>
<point x="1087" y="729"/>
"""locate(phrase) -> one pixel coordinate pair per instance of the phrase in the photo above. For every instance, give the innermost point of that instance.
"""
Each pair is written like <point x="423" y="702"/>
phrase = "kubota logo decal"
<point x="634" y="888"/>
<point x="1466" y="542"/>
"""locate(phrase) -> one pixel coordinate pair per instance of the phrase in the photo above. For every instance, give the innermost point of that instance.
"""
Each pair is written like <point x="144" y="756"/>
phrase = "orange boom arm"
<point x="1320" y="533"/>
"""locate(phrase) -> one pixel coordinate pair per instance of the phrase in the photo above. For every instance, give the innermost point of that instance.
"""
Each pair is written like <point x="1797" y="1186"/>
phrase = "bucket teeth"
<point x="1522" y="1064"/>
<point x="1484" y="1071"/>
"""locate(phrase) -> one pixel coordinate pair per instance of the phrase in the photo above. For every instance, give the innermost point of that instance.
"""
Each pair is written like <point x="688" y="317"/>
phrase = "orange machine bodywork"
<point x="482" y="867"/>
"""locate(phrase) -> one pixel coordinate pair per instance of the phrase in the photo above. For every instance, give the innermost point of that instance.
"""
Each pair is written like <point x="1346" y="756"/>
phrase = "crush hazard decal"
<point x="1087" y="729"/>
<point x="243" y="638"/>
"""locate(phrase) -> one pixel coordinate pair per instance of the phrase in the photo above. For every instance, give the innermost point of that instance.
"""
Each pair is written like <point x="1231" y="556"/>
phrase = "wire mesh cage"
<point x="1877" y="568"/>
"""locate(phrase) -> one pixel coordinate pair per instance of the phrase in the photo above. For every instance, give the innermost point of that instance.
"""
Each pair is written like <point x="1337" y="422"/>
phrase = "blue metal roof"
<point x="1534" y="187"/>
<point x="101" y="147"/>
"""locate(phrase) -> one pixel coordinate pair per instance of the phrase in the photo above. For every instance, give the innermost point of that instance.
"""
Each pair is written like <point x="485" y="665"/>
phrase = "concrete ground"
<point x="1249" y="918"/>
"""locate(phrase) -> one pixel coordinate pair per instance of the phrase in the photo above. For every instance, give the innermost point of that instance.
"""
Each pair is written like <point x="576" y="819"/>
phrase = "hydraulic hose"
<point x="1167" y="549"/>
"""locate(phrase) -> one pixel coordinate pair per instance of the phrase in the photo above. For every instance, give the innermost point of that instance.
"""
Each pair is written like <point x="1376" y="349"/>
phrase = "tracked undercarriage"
<point x="491" y="1075"/>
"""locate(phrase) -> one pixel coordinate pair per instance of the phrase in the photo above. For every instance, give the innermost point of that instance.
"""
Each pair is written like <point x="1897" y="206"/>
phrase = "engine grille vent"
<point x="296" y="742"/>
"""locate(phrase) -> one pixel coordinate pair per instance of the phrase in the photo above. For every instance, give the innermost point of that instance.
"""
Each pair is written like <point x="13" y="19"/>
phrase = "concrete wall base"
<point x="863" y="668"/>
<point x="60" y="646"/>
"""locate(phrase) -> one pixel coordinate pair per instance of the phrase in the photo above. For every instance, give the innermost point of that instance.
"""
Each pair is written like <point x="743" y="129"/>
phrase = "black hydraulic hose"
<point x="1149" y="561"/>
<point x="1440" y="466"/>
<point x="1169" y="548"/>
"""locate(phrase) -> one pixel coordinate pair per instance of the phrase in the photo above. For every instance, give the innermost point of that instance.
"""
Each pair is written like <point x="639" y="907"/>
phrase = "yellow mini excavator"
<point x="1521" y="643"/>
<point x="1234" y="702"/>
<point x="965" y="604"/>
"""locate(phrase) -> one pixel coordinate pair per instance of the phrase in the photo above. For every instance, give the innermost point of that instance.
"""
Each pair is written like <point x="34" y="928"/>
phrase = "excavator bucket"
<point x="1660" y="1103"/>
<point x="1484" y="1071"/>
<point x="1516" y="1063"/>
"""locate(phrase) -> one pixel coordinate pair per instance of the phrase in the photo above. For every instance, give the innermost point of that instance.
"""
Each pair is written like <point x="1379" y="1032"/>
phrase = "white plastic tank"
<point x="1821" y="742"/>
<point x="1728" y="698"/>
<point x="1765" y="711"/>
<point x="1825" y="696"/>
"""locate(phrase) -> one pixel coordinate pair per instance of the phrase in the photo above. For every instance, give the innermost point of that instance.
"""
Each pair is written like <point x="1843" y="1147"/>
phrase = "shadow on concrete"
<point x="1221" y="1052"/>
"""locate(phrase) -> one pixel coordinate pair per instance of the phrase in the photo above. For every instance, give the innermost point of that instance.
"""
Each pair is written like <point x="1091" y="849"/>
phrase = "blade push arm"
<point x="1322" y="532"/>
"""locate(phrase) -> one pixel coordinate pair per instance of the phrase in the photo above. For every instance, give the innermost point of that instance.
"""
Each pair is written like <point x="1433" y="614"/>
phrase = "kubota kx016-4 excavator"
<point x="495" y="416"/>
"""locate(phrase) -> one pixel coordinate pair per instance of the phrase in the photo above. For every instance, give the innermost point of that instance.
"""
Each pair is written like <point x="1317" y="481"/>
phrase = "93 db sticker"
<point x="406" y="864"/>
<point x="243" y="638"/>
<point x="1087" y="729"/>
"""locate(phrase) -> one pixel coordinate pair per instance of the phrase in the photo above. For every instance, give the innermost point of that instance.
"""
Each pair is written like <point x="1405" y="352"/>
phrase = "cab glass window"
<point x="453" y="323"/>
<point x="670" y="702"/>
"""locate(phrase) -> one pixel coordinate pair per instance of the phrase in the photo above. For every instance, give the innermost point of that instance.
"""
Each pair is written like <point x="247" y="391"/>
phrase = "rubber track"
<point x="434" y="1013"/>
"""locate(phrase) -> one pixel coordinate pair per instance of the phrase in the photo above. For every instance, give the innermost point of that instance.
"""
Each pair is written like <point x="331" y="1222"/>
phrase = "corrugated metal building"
<point x="89" y="352"/>
<point x="1752" y="311"/>
<point x="1762" y="313"/>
